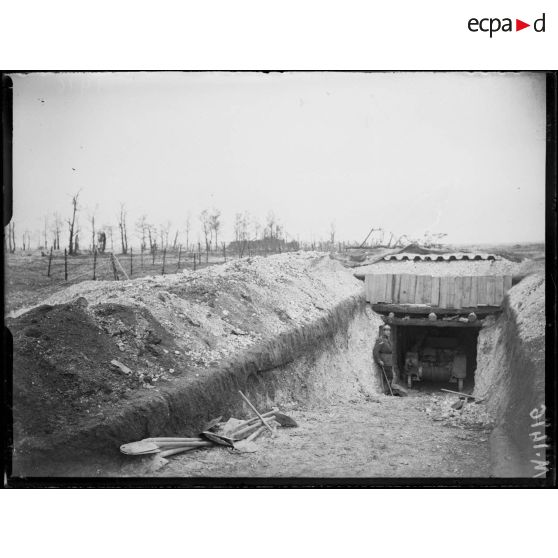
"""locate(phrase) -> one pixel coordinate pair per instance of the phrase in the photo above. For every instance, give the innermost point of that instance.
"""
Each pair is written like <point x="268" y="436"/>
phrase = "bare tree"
<point x="215" y="224"/>
<point x="241" y="225"/>
<point x="72" y="226"/>
<point x="45" y="229"/>
<point x="241" y="230"/>
<point x="206" y="228"/>
<point x="142" y="227"/>
<point x="56" y="229"/>
<point x="93" y="234"/>
<point x="101" y="241"/>
<point x="256" y="227"/>
<point x="123" y="228"/>
<point x="332" y="232"/>
<point x="187" y="231"/>
<point x="26" y="240"/>
<point x="272" y="226"/>
<point x="109" y="229"/>
<point x="11" y="237"/>
<point x="164" y="231"/>
<point x="152" y="236"/>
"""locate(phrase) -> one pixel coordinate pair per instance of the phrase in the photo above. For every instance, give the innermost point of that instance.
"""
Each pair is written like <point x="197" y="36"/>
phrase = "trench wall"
<point x="327" y="360"/>
<point x="511" y="376"/>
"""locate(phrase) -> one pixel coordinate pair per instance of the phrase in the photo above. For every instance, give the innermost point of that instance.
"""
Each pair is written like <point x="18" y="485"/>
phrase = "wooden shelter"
<point x="435" y="309"/>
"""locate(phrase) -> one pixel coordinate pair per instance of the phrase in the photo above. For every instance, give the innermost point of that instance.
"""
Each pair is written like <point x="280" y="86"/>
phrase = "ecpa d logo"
<point x="493" y="25"/>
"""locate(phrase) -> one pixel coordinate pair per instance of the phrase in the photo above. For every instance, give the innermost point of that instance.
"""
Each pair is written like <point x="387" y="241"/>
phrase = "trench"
<point x="511" y="378"/>
<point x="328" y="361"/>
<point x="328" y="364"/>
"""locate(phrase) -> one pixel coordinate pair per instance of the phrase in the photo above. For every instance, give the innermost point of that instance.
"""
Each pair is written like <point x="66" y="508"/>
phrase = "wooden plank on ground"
<point x="435" y="296"/>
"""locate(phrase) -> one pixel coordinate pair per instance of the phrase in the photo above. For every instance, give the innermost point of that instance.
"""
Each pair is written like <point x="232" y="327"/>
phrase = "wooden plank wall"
<point x="443" y="292"/>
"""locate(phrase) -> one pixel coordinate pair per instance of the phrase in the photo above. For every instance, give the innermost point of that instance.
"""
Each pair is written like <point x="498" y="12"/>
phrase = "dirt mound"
<point x="511" y="375"/>
<point x="172" y="332"/>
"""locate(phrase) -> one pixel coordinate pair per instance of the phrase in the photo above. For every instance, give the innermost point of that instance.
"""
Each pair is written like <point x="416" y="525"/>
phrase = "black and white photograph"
<point x="276" y="278"/>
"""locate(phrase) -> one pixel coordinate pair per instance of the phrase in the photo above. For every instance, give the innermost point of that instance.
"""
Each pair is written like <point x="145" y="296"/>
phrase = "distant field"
<point x="27" y="282"/>
<point x="514" y="252"/>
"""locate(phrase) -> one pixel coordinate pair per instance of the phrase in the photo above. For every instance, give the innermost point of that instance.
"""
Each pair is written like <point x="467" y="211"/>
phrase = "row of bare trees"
<point x="248" y="233"/>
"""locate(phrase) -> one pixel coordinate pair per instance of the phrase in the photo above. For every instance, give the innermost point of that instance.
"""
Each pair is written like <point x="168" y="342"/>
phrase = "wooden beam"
<point x="395" y="360"/>
<point x="425" y="322"/>
<point x="425" y="309"/>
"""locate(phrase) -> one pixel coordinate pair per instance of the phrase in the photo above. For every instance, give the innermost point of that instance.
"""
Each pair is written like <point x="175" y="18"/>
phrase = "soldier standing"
<point x="383" y="357"/>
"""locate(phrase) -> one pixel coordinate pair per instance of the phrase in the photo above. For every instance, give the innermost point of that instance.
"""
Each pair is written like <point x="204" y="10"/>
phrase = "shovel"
<point x="385" y="376"/>
<point x="217" y="439"/>
<point x="140" y="448"/>
<point x="256" y="411"/>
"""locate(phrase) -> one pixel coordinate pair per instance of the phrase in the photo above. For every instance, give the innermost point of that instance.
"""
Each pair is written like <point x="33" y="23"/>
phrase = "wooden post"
<point x="164" y="258"/>
<point x="131" y="261"/>
<point x="194" y="261"/>
<point x="49" y="262"/>
<point x="114" y="270"/>
<point x="179" y="253"/>
<point x="206" y="253"/>
<point x="94" y="264"/>
<point x="153" y="252"/>
<point x="117" y="261"/>
<point x="141" y="256"/>
<point x="65" y="264"/>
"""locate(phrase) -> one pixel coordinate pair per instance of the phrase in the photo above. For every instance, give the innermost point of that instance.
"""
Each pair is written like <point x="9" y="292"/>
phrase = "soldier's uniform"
<point x="383" y="353"/>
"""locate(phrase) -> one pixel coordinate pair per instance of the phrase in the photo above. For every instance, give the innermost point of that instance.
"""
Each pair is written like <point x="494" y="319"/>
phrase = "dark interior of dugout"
<point x="439" y="349"/>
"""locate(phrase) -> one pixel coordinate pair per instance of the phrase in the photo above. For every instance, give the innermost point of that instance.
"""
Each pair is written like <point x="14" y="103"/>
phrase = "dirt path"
<point x="386" y="437"/>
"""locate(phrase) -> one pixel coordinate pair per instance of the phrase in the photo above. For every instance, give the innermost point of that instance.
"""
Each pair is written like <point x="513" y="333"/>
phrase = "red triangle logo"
<point x="519" y="25"/>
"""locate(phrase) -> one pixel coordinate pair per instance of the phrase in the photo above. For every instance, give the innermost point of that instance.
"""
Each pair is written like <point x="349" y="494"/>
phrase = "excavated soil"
<point x="511" y="377"/>
<point x="291" y="330"/>
<point x="272" y="326"/>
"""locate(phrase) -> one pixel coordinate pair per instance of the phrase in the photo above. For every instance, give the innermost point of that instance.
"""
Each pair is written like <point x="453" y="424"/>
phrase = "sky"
<point x="455" y="153"/>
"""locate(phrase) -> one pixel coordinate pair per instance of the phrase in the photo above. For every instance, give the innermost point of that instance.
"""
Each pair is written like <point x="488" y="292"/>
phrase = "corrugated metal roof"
<point x="457" y="256"/>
